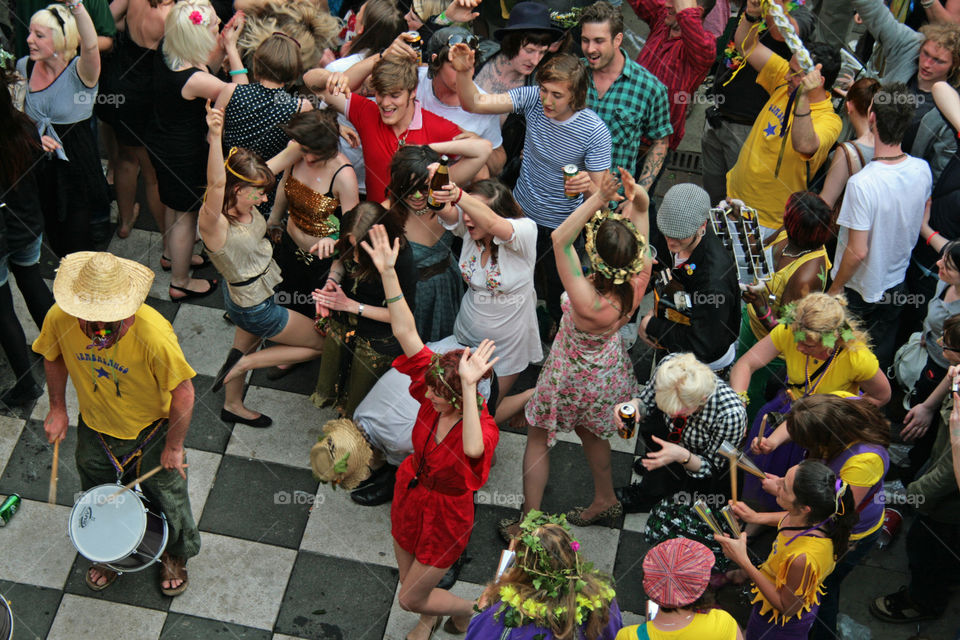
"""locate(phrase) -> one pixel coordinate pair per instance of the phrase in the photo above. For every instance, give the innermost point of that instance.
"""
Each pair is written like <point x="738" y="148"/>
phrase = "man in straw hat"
<point x="134" y="391"/>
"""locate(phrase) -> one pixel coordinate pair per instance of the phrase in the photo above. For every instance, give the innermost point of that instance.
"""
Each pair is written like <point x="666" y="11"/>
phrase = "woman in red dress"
<point x="454" y="438"/>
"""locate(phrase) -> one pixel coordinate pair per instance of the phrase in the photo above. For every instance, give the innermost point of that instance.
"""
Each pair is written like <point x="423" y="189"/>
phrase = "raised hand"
<point x="382" y="253"/>
<point x="608" y="188"/>
<point x="633" y="191"/>
<point x="400" y="48"/>
<point x="214" y="120"/>
<point x="462" y="57"/>
<point x="231" y="32"/>
<point x="338" y="83"/>
<point x="474" y="365"/>
<point x="462" y="10"/>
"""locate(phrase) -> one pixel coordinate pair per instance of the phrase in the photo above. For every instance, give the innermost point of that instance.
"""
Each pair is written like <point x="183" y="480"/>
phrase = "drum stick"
<point x="52" y="494"/>
<point x="149" y="474"/>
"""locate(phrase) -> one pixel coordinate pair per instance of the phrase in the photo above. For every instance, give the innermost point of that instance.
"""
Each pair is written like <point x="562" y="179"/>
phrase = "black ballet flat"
<point x="259" y="423"/>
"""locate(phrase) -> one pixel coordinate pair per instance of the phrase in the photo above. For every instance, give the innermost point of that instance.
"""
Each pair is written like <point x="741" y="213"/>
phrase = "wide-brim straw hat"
<point x="100" y="287"/>
<point x="342" y="438"/>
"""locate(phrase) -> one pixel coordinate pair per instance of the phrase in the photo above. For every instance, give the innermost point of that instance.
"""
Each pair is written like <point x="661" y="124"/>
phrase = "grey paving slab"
<point x="207" y="431"/>
<point x="260" y="501"/>
<point x="140" y="588"/>
<point x="337" y="526"/>
<point x="628" y="570"/>
<point x="321" y="601"/>
<point x="236" y="581"/>
<point x="200" y="478"/>
<point x="43" y="553"/>
<point x="205" y="337"/>
<point x="184" y="627"/>
<point x="28" y="469"/>
<point x="33" y="608"/>
<point x="10" y="430"/>
<point x="81" y="618"/>
<point x="402" y="622"/>
<point x="42" y="406"/>
<point x="301" y="380"/>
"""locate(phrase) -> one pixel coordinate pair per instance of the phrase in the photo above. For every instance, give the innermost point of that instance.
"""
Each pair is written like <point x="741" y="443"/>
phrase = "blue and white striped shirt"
<point x="582" y="140"/>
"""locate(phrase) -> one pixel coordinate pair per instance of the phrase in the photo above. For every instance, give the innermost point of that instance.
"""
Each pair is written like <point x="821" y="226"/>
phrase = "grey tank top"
<point x="66" y="101"/>
<point x="246" y="262"/>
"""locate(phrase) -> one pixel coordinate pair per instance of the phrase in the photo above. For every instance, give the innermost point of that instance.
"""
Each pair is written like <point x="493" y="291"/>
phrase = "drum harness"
<point x="121" y="464"/>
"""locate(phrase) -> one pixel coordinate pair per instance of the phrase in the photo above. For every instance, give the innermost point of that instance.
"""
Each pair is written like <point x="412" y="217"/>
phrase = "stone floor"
<point x="283" y="557"/>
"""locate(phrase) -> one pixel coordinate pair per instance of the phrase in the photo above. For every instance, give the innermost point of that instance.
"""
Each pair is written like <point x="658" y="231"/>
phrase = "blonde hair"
<point x="313" y="30"/>
<point x="683" y="382"/>
<point x="948" y="37"/>
<point x="428" y="8"/>
<point x="817" y="314"/>
<point x="66" y="38"/>
<point x="186" y="43"/>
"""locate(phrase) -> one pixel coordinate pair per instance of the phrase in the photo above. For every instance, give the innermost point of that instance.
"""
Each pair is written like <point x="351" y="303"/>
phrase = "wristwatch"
<point x="360" y="309"/>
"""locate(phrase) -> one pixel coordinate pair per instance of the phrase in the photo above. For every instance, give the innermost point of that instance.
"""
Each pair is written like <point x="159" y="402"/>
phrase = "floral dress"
<point x="584" y="375"/>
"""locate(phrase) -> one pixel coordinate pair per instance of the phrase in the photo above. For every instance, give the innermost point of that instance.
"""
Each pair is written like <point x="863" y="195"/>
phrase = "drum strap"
<point x="121" y="464"/>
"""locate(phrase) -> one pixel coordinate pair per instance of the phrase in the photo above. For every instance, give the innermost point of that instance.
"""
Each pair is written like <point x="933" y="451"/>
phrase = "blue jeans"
<point x="23" y="257"/>
<point x="264" y="320"/>
<point x="825" y="627"/>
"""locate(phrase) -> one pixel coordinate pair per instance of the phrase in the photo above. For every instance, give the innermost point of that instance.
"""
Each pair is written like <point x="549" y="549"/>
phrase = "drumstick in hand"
<point x="149" y="474"/>
<point x="52" y="494"/>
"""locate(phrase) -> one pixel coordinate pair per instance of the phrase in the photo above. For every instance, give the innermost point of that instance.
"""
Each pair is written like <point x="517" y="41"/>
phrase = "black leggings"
<point x="12" y="339"/>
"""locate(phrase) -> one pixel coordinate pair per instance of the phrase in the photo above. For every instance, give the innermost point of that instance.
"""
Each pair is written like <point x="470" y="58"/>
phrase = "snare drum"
<point x="122" y="533"/>
<point x="6" y="619"/>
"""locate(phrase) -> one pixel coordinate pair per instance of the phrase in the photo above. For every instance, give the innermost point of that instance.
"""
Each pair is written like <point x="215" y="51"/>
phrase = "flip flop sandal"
<point x="899" y="608"/>
<point x="190" y="294"/>
<point x="173" y="568"/>
<point x="109" y="574"/>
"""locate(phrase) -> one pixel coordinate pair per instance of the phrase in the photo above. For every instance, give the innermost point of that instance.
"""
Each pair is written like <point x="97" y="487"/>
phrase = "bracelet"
<point x="360" y="309"/>
<point x="689" y="456"/>
<point x="460" y="195"/>
<point x="751" y="19"/>
<point x="800" y="115"/>
<point x="767" y="314"/>
<point x="930" y="237"/>
<point x="744" y="397"/>
<point x="395" y="299"/>
<point x="237" y="72"/>
<point x="443" y="20"/>
<point x="72" y="5"/>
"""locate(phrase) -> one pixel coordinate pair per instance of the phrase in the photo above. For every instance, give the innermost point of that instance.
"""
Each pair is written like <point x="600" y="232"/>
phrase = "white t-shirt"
<point x="485" y="126"/>
<point x="582" y="140"/>
<point x="888" y="201"/>
<point x="355" y="156"/>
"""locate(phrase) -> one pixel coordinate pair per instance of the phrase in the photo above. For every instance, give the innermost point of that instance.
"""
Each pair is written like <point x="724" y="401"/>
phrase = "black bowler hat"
<point x="528" y="16"/>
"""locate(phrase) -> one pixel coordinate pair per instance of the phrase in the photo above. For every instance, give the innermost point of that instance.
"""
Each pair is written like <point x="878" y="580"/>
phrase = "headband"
<point x="287" y="36"/>
<point x="226" y="165"/>
<point x="619" y="275"/>
<point x="839" y="489"/>
<point x="56" y="14"/>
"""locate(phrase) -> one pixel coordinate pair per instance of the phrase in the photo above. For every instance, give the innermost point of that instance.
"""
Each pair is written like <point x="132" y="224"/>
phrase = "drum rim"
<point x="9" y="616"/>
<point x="73" y="511"/>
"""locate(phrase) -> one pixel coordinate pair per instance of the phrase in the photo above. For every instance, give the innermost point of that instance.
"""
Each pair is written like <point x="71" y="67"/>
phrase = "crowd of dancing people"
<point x="451" y="207"/>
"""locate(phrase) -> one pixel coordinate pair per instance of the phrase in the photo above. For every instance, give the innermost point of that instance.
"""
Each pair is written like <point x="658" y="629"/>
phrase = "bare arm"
<point x="853" y="255"/>
<point x="653" y="162"/>
<point x="462" y="57"/>
<point x="759" y="355"/>
<point x="746" y="40"/>
<point x="473" y="154"/>
<point x="346" y="188"/>
<point x="877" y="389"/>
<point x="211" y="211"/>
<point x="88" y="67"/>
<point x="936" y="12"/>
<point x="181" y="409"/>
<point x="803" y="135"/>
<point x="384" y="257"/>
<point x="836" y="178"/>
<point x="482" y="215"/>
<point x="55" y="424"/>
<point x="332" y="88"/>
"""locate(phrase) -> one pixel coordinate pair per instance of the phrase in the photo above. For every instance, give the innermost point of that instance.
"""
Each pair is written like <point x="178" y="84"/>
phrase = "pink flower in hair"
<point x="196" y="17"/>
<point x="575" y="545"/>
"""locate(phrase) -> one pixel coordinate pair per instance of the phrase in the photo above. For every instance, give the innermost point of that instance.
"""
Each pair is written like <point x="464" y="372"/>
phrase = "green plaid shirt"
<point x="635" y="108"/>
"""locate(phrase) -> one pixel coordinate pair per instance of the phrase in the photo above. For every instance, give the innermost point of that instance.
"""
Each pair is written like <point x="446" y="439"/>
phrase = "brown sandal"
<point x="109" y="574"/>
<point x="173" y="568"/>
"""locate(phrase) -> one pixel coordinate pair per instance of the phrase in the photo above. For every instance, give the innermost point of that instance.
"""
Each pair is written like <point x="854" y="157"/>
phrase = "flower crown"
<point x="548" y="580"/>
<point x="199" y="18"/>
<point x="827" y="338"/>
<point x="438" y="371"/>
<point x="619" y="275"/>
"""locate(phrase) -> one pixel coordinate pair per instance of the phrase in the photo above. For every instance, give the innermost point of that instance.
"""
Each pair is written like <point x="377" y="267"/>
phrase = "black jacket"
<point x="714" y="291"/>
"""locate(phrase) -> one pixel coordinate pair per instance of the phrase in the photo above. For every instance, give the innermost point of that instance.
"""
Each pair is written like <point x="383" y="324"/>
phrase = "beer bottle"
<point x="440" y="179"/>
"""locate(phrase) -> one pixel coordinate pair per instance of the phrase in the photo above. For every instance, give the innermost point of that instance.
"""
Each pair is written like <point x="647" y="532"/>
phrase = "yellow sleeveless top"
<point x="819" y="565"/>
<point x="778" y="283"/>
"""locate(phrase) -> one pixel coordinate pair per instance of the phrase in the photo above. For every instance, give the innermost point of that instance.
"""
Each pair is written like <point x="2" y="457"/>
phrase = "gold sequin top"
<point x="310" y="210"/>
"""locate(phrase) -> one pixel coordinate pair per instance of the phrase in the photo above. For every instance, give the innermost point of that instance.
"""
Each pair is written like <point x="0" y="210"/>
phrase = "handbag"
<point x="908" y="362"/>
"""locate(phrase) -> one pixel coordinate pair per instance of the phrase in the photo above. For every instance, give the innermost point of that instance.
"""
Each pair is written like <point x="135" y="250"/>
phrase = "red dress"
<point x="433" y="519"/>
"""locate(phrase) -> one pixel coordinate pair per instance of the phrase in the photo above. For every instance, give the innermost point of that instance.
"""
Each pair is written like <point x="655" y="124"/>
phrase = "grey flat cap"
<point x="685" y="207"/>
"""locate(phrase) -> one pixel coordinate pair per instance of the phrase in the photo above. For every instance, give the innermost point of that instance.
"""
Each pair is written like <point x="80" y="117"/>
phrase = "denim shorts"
<point x="24" y="257"/>
<point x="263" y="320"/>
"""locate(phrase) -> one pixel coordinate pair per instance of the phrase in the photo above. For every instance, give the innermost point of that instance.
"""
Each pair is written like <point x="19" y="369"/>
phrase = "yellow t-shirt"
<point x="855" y="364"/>
<point x="819" y="565"/>
<point x="715" y="624"/>
<point x="753" y="178"/>
<point x="133" y="378"/>
<point x="863" y="470"/>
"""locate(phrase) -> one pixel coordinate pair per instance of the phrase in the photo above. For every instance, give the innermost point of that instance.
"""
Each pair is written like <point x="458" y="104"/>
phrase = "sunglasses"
<point x="677" y="425"/>
<point x="947" y="347"/>
<point x="471" y="40"/>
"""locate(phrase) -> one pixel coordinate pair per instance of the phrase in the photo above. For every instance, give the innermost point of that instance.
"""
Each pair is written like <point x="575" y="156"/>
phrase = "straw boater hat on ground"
<point x="100" y="287"/>
<point x="342" y="456"/>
